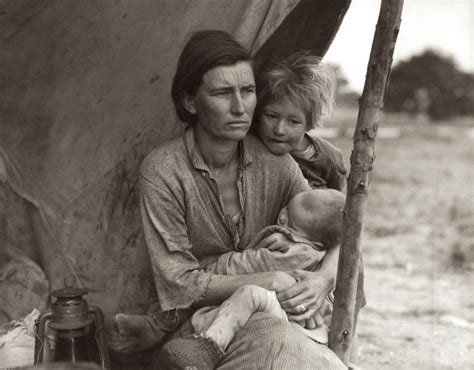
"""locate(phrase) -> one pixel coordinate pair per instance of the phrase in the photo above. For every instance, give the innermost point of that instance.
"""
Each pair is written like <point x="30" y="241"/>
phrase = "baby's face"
<point x="293" y="217"/>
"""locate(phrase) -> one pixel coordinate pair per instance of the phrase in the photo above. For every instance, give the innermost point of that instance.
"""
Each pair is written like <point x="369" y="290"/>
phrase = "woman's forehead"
<point x="240" y="74"/>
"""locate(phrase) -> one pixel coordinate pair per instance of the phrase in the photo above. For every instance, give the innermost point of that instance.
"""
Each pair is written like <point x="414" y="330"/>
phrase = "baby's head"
<point x="315" y="215"/>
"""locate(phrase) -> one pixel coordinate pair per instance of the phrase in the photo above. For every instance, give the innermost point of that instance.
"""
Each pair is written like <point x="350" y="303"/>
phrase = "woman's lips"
<point x="238" y="123"/>
<point x="276" y="141"/>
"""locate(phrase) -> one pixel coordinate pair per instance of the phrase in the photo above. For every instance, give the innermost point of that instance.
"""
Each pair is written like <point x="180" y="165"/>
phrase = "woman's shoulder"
<point x="262" y="155"/>
<point x="164" y="158"/>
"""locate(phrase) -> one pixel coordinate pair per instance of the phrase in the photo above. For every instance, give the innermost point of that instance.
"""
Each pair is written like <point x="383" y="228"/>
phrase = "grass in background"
<point x="420" y="207"/>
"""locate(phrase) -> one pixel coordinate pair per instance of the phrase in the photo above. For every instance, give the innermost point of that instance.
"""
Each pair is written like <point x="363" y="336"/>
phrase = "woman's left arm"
<point x="311" y="288"/>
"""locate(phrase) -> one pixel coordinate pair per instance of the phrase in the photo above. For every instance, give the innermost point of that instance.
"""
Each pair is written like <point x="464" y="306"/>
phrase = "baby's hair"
<point x="304" y="79"/>
<point x="324" y="208"/>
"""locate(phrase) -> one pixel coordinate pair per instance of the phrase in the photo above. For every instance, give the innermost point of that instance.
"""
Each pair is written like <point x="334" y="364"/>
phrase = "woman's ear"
<point x="188" y="102"/>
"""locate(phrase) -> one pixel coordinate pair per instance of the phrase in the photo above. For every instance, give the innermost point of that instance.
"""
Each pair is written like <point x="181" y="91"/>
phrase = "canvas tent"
<point x="84" y="96"/>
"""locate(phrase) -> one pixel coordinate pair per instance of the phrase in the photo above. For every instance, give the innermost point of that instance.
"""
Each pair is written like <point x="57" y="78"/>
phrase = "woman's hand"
<point x="303" y="300"/>
<point x="312" y="322"/>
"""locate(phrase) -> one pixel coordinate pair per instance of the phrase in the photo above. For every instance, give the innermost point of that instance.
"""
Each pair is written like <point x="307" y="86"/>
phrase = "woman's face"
<point x="225" y="102"/>
<point x="282" y="125"/>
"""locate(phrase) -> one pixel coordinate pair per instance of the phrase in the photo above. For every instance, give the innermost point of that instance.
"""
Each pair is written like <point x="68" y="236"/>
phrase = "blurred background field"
<point x="418" y="242"/>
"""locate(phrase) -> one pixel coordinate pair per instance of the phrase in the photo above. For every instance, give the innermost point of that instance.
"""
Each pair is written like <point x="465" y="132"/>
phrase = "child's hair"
<point x="324" y="208"/>
<point x="304" y="79"/>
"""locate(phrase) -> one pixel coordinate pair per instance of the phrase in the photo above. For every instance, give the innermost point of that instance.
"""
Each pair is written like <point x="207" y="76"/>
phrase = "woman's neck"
<point x="217" y="153"/>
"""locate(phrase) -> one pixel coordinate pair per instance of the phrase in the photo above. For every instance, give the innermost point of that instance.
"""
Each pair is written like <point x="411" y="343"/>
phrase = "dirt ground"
<point x="414" y="321"/>
<point x="419" y="251"/>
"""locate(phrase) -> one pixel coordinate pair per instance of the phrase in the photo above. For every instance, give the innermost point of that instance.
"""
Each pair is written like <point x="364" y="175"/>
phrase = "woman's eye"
<point x="249" y="90"/>
<point x="221" y="93"/>
<point x="294" y="122"/>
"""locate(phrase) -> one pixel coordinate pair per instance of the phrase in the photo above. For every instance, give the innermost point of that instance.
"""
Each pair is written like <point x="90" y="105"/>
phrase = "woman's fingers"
<point x="293" y="291"/>
<point x="299" y="293"/>
<point x="318" y="320"/>
<point x="310" y="324"/>
<point x="299" y="304"/>
<point x="303" y="316"/>
<point x="302" y="301"/>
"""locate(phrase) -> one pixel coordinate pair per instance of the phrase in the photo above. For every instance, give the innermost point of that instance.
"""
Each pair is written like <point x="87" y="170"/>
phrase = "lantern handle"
<point x="72" y="279"/>
<point x="99" y="336"/>
<point x="40" y="324"/>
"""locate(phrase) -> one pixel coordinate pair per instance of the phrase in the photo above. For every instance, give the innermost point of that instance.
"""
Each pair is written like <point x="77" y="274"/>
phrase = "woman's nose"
<point x="237" y="106"/>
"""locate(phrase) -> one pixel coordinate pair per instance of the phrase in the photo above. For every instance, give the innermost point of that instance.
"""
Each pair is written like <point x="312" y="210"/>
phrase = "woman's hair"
<point x="303" y="79"/>
<point x="204" y="51"/>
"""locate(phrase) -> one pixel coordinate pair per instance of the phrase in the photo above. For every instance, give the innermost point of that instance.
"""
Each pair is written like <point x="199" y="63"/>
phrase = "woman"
<point x="210" y="192"/>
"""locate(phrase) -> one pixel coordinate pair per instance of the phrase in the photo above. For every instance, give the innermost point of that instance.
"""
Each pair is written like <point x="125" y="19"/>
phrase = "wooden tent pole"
<point x="362" y="160"/>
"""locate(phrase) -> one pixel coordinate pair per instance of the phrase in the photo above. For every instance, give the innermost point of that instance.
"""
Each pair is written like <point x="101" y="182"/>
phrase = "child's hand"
<point x="276" y="242"/>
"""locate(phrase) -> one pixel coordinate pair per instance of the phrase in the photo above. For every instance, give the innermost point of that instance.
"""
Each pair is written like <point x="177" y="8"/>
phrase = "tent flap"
<point x="85" y="95"/>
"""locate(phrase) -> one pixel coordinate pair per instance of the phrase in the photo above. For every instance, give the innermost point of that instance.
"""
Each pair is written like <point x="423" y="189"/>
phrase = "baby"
<point x="308" y="225"/>
<point x="311" y="222"/>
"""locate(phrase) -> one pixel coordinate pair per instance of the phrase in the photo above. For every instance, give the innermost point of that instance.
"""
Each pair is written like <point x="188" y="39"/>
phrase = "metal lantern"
<point x="78" y="330"/>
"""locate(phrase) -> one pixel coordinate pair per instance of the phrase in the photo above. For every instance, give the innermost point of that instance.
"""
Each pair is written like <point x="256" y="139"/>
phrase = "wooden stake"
<point x="362" y="161"/>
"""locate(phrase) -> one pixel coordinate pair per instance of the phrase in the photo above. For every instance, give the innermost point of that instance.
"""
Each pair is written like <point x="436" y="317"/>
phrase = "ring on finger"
<point x="302" y="308"/>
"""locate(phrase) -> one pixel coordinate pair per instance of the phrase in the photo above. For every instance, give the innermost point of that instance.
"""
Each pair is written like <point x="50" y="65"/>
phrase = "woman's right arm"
<point x="222" y="287"/>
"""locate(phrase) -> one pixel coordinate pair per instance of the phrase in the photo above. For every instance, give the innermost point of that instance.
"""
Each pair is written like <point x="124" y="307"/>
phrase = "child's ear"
<point x="188" y="102"/>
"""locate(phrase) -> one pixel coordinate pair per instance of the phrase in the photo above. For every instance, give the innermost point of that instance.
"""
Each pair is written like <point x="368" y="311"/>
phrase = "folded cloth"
<point x="17" y="347"/>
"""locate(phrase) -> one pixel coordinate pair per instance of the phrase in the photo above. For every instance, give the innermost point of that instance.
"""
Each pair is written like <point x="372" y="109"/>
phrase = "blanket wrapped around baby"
<point x="259" y="256"/>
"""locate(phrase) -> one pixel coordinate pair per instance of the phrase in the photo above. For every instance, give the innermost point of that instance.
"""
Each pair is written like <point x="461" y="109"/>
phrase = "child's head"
<point x="292" y="95"/>
<point x="315" y="215"/>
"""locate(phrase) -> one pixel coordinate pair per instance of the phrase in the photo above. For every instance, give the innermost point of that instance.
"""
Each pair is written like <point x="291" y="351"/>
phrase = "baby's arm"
<point x="271" y="250"/>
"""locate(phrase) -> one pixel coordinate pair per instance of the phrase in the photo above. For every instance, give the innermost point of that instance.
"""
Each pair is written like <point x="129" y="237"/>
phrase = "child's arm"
<point x="272" y="250"/>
